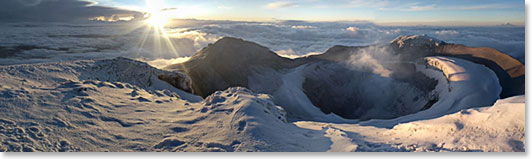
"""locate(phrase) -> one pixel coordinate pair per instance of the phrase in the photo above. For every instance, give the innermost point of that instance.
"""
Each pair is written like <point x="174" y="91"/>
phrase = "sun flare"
<point x="156" y="17"/>
<point x="158" y="20"/>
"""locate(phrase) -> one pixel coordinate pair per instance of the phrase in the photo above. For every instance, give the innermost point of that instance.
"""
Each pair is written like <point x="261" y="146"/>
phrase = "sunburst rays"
<point x="154" y="33"/>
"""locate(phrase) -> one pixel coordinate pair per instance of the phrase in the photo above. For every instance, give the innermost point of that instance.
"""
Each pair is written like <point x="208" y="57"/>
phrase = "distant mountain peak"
<point x="507" y="25"/>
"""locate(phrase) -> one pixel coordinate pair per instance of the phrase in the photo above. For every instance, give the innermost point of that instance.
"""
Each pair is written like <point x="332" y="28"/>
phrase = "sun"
<point x="155" y="28"/>
<point x="158" y="20"/>
<point x="156" y="17"/>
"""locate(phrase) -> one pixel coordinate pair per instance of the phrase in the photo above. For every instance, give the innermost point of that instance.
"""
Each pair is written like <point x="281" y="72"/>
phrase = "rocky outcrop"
<point x="178" y="80"/>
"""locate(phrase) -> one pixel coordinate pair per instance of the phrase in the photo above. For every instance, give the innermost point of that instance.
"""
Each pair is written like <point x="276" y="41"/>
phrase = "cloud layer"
<point x="57" y="11"/>
<point x="300" y="37"/>
<point x="38" y="42"/>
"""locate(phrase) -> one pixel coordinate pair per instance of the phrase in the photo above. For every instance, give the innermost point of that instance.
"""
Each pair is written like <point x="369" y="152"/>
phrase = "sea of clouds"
<point x="33" y="43"/>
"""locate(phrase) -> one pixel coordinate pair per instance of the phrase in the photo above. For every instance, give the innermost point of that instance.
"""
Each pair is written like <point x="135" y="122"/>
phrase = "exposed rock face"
<point x="230" y="62"/>
<point x="178" y="80"/>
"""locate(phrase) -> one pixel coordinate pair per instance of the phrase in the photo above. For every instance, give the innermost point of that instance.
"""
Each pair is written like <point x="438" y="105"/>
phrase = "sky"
<point x="379" y="11"/>
<point x="408" y="12"/>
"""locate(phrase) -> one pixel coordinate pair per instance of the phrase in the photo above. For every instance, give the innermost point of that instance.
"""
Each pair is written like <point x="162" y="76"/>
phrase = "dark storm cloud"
<point x="56" y="11"/>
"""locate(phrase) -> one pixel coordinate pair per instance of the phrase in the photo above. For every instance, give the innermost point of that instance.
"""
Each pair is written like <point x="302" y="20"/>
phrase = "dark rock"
<point x="178" y="80"/>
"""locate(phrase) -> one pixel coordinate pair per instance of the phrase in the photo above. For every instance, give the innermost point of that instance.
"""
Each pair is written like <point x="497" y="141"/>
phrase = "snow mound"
<point x="237" y="119"/>
<point x="110" y="70"/>
<point x="477" y="129"/>
<point x="71" y="106"/>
